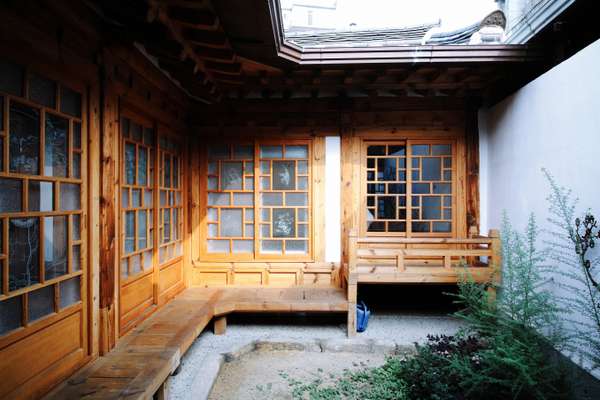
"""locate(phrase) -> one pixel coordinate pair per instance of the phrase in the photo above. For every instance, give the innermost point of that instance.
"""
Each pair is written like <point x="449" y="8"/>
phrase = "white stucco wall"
<point x="332" y="199"/>
<point x="553" y="122"/>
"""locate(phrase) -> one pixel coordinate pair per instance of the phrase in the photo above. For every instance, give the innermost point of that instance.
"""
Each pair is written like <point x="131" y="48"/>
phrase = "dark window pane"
<point x="415" y="201"/>
<point x="370" y="201"/>
<point x="375" y="188"/>
<point x="76" y="165"/>
<point x="24" y="139"/>
<point x="447" y="201"/>
<point x="420" y="188"/>
<point x="1" y="122"/>
<point x="247" y="152"/>
<point x="370" y="163"/>
<point x="386" y="207"/>
<point x="167" y="172"/>
<point x="416" y="175"/>
<point x="11" y="78"/>
<point x="11" y="193"/>
<point x="70" y="292"/>
<point x="420" y="150"/>
<point x="386" y="169"/>
<point x="175" y="172"/>
<point x="10" y="313"/>
<point x="402" y="175"/>
<point x="129" y="231"/>
<point x="284" y="222"/>
<point x="396" y="150"/>
<point x="70" y="196"/>
<point x="402" y="201"/>
<point x="41" y="196"/>
<point x="402" y="213"/>
<point x="442" y="188"/>
<point x="432" y="207"/>
<point x="24" y="252"/>
<point x="447" y="162"/>
<point x="130" y="163"/>
<point x="166" y="226"/>
<point x="442" y="227"/>
<point x="143" y="166"/>
<point x="397" y="226"/>
<point x="416" y="213"/>
<point x="70" y="101"/>
<point x="420" y="226"/>
<point x="447" y="213"/>
<point x="215" y="152"/>
<point x="125" y="124"/>
<point x="370" y="175"/>
<point x="376" y="226"/>
<point x="376" y="151"/>
<point x="432" y="169"/>
<point x="415" y="163"/>
<point x="396" y="188"/>
<point x="441" y="150"/>
<point x="149" y="136"/>
<point x="76" y="135"/>
<point x="55" y="246"/>
<point x="42" y="90"/>
<point x="41" y="303"/>
<point x="142" y="240"/>
<point x="56" y="146"/>
<point x="284" y="175"/>
<point x="136" y="132"/>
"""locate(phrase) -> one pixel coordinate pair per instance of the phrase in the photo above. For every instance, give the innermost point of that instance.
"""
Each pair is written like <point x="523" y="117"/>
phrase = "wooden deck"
<point x="146" y="356"/>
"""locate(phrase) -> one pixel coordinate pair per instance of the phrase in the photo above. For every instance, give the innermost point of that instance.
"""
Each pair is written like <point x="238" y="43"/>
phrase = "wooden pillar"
<point x="472" y="167"/>
<point x="220" y="325"/>
<point x="109" y="133"/>
<point x="495" y="263"/>
<point x="352" y="282"/>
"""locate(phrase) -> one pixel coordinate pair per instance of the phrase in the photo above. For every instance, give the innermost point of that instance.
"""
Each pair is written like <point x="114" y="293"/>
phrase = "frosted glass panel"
<point x="76" y="219"/>
<point x="296" y="151"/>
<point x="296" y="246"/>
<point x="24" y="139"/>
<point x="70" y="196"/>
<point x="212" y="214"/>
<point x="272" y="199"/>
<point x="55" y="246"/>
<point x="271" y="246"/>
<point x="129" y="231"/>
<point x="76" y="257"/>
<point x="432" y="169"/>
<point x="218" y="199"/>
<point x="243" y="246"/>
<point x="303" y="231"/>
<point x="213" y="184"/>
<point x="284" y="222"/>
<point x="24" y="252"/>
<point x="249" y="230"/>
<point x="265" y="183"/>
<point x="265" y="214"/>
<point x="218" y="246"/>
<point x="302" y="167"/>
<point x="303" y="183"/>
<point x="147" y="259"/>
<point x="271" y="151"/>
<point x="56" y="146"/>
<point x="70" y="292"/>
<point x="130" y="164"/>
<point x="284" y="175"/>
<point x="249" y="215"/>
<point x="296" y="199"/>
<point x="249" y="184"/>
<point x="148" y="200"/>
<point x="141" y="228"/>
<point x="302" y="215"/>
<point x="213" y="230"/>
<point x="231" y="222"/>
<point x="243" y="199"/>
<point x="265" y="167"/>
<point x="136" y="198"/>
<point x="231" y="176"/>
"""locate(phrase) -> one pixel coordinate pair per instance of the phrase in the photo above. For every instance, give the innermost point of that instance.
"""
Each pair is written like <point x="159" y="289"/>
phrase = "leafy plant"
<point x="572" y="240"/>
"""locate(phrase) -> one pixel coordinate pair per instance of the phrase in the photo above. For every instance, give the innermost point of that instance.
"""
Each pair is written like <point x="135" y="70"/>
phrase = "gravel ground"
<point x="387" y="332"/>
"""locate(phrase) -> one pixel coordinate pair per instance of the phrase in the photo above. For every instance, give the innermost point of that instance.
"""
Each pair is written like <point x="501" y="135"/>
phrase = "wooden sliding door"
<point x="43" y="236"/>
<point x="151" y="218"/>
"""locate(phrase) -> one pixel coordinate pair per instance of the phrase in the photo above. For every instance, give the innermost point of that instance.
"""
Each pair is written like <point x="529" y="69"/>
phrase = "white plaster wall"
<point x="332" y="199"/>
<point x="553" y="122"/>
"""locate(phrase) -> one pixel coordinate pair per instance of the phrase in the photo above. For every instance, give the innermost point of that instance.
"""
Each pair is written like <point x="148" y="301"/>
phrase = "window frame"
<point x="256" y="255"/>
<point x="59" y="312"/>
<point x="409" y="142"/>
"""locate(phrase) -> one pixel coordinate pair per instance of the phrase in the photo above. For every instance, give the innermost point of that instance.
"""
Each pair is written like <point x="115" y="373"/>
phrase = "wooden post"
<point x="495" y="263"/>
<point x="473" y="233"/>
<point x="220" y="325"/>
<point x="352" y="282"/>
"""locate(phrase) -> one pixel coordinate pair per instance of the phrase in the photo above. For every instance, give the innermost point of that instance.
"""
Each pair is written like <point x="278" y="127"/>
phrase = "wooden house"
<point x="164" y="163"/>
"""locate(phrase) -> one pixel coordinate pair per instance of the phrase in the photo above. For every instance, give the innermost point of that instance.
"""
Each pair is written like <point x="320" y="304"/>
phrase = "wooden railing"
<point x="419" y="260"/>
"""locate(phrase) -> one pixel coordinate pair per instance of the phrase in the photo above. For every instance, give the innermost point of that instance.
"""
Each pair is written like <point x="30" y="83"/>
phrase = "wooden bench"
<point x="144" y="358"/>
<point x="382" y="259"/>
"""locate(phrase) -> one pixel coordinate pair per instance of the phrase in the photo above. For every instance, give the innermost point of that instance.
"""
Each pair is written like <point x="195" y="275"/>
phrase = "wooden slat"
<point x="393" y="253"/>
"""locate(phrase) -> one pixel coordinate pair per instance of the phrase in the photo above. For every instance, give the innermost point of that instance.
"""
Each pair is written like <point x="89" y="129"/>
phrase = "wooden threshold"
<point x="146" y="356"/>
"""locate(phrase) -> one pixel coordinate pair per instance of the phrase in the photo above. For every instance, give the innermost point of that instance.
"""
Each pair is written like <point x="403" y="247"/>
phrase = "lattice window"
<point x="137" y="197"/>
<point x="258" y="200"/>
<point x="409" y="188"/>
<point x="42" y="189"/>
<point x="171" y="201"/>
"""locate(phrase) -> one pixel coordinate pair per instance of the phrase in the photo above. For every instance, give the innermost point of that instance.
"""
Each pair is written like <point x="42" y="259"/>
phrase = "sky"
<point x="372" y="14"/>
